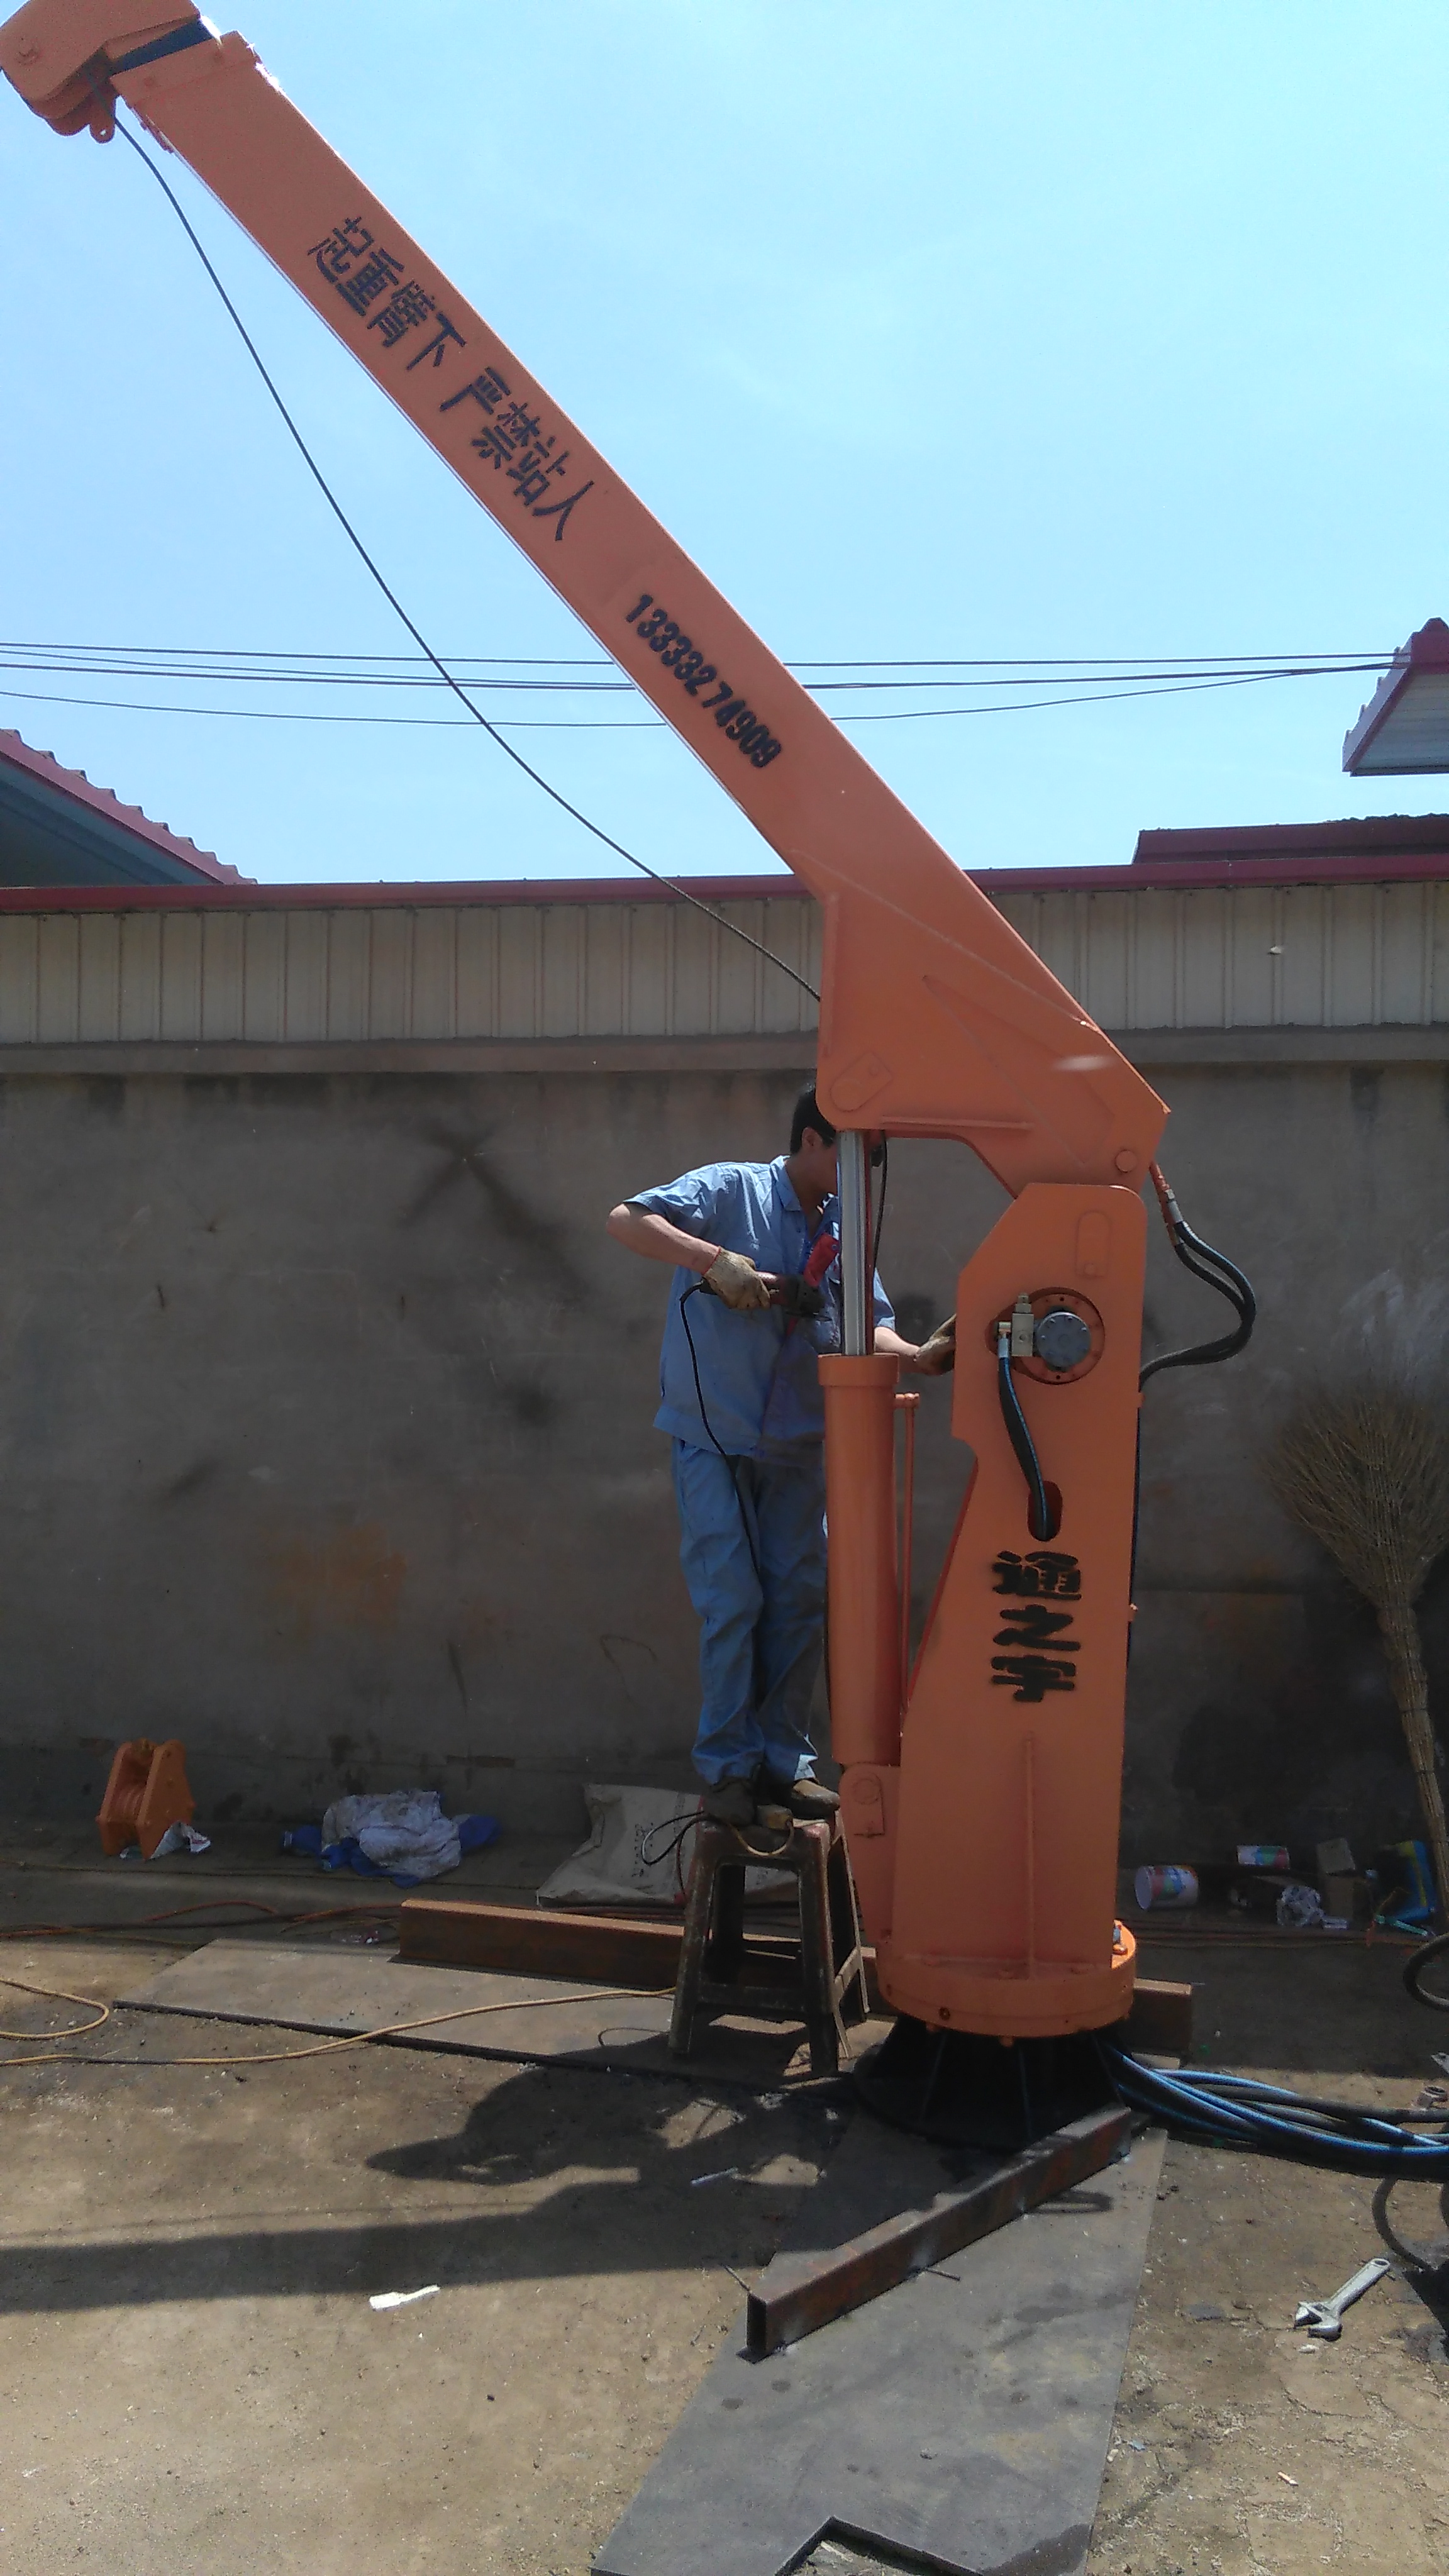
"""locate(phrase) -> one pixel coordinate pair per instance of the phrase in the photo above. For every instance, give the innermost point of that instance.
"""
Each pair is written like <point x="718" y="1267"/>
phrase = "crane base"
<point x="966" y="2091"/>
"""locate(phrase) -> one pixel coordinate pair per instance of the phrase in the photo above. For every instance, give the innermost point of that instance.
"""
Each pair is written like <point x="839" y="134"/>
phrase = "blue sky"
<point x="957" y="331"/>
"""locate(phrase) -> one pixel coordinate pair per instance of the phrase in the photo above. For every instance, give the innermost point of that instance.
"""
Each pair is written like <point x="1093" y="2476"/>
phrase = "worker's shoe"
<point x="730" y="1802"/>
<point x="809" y="1801"/>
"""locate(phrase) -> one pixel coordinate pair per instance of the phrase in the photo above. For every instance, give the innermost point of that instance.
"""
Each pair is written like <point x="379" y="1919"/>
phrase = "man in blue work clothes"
<point x="742" y="1404"/>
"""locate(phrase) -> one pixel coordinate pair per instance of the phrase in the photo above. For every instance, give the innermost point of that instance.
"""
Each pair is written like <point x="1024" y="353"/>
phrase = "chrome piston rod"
<point x="858" y="1333"/>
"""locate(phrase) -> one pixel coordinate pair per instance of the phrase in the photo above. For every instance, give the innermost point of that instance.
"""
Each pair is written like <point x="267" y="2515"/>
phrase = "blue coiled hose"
<point x="1238" y="2111"/>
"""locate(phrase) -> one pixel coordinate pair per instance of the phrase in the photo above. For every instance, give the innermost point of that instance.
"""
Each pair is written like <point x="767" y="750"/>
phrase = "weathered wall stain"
<point x="525" y="1227"/>
<point x="626" y="1654"/>
<point x="351" y="1580"/>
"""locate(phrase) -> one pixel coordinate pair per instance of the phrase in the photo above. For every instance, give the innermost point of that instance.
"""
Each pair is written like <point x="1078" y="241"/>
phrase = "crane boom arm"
<point x="936" y="1018"/>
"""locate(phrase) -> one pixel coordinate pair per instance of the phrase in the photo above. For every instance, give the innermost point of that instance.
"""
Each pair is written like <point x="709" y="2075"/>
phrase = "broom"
<point x="1367" y="1472"/>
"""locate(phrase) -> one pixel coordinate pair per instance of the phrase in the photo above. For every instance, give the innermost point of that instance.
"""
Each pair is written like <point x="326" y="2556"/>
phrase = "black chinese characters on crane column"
<point x="1038" y="1585"/>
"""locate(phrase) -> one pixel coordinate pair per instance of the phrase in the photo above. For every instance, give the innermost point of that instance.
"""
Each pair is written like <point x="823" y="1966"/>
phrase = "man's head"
<point x="807" y="1121"/>
<point x="812" y="1149"/>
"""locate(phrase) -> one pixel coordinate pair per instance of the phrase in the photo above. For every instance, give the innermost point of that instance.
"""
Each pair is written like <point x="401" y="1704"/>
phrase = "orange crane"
<point x="980" y="1790"/>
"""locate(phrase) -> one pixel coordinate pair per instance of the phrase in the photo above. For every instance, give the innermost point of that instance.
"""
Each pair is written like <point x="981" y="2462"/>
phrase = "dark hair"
<point x="807" y="1114"/>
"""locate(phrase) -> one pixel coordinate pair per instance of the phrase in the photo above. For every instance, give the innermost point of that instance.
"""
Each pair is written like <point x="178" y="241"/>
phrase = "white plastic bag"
<point x="640" y="1845"/>
<point x="181" y="1838"/>
<point x="405" y="1830"/>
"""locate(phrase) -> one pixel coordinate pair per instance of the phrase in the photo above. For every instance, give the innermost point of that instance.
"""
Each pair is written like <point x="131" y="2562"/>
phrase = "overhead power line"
<point x="495" y="671"/>
<point x="228" y="665"/>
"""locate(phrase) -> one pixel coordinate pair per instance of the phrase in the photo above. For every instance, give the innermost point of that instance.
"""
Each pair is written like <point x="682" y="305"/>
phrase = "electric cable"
<point x="652" y="1859"/>
<point x="1239" y="2111"/>
<point x="57" y="1994"/>
<point x="885" y="1173"/>
<point x="1055" y="665"/>
<point x="698" y="1290"/>
<point x="321" y="2048"/>
<point x="1215" y="1271"/>
<point x="628" y="724"/>
<point x="444" y="674"/>
<point x="399" y="671"/>
<point x="180" y="1915"/>
<point x="1433" y="1954"/>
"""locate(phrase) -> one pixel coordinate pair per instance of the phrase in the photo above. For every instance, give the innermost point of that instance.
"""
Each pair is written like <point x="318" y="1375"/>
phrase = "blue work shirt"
<point x="757" y="1372"/>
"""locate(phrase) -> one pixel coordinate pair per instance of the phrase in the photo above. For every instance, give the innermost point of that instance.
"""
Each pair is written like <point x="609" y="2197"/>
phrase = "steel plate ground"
<point x="962" y="2419"/>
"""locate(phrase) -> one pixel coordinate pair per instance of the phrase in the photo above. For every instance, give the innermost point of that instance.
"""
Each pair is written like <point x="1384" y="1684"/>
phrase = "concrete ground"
<point x="191" y="2376"/>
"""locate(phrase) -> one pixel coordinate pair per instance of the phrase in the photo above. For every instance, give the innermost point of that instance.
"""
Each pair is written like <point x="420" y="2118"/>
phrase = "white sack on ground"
<point x="611" y="1869"/>
<point x="404" y="1830"/>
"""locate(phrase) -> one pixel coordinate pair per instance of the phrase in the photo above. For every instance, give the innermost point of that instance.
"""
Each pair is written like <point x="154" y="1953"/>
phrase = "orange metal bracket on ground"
<point x="147" y="1791"/>
<point x="984" y="1826"/>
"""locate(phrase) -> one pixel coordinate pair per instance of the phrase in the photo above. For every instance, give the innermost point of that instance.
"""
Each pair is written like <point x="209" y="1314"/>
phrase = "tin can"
<point x="1263" y="1856"/>
<point x="1165" y="1887"/>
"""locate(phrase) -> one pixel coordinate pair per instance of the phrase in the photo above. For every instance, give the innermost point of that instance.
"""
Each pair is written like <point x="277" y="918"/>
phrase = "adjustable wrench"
<point x="1324" y="2317"/>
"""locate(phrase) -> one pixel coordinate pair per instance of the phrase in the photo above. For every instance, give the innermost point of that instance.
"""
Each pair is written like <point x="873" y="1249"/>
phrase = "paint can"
<point x="1263" y="1856"/>
<point x="1165" y="1887"/>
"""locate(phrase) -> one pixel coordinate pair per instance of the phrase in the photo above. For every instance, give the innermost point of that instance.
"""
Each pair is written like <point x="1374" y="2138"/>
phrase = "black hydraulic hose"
<point x="1040" y="1519"/>
<point x="1215" y="1270"/>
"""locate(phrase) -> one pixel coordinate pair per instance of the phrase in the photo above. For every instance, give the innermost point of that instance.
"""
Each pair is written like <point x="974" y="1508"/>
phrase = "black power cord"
<point x="698" y="1290"/>
<point x="390" y="595"/>
<point x="1434" y="1954"/>
<point x="882" y="1155"/>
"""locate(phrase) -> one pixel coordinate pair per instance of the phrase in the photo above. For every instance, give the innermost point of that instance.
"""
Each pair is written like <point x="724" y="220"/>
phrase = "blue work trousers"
<point x="752" y="1544"/>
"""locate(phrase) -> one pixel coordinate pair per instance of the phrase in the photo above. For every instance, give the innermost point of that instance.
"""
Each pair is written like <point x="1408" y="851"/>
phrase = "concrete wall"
<point x="1259" y="1703"/>
<point x="326" y="1427"/>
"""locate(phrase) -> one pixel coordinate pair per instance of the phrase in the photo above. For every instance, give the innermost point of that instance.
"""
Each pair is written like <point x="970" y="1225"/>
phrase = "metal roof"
<point x="60" y="833"/>
<point x="1404" y="729"/>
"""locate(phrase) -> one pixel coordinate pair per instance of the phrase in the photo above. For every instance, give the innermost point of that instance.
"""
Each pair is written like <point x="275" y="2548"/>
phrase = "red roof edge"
<point x="1173" y="875"/>
<point x="1426" y="650"/>
<point x="74" y="783"/>
<point x="1372" y="838"/>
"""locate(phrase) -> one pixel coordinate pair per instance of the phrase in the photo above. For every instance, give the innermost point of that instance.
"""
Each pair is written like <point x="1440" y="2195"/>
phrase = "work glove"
<point x="733" y="1276"/>
<point x="937" y="1355"/>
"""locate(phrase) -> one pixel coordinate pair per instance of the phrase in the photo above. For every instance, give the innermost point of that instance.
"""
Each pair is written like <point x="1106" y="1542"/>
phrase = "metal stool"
<point x="713" y="1951"/>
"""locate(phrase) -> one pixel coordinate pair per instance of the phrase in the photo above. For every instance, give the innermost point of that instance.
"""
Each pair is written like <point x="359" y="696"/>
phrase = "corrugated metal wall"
<point x="480" y="971"/>
<point x="1260" y="957"/>
<point x="1304" y="956"/>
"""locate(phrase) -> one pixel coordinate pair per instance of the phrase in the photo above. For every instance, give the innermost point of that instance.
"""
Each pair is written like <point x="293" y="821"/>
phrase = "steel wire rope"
<point x="554" y="793"/>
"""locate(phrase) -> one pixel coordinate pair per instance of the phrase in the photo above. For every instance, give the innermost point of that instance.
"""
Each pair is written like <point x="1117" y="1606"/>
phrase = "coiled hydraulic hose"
<point x="1238" y="2111"/>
